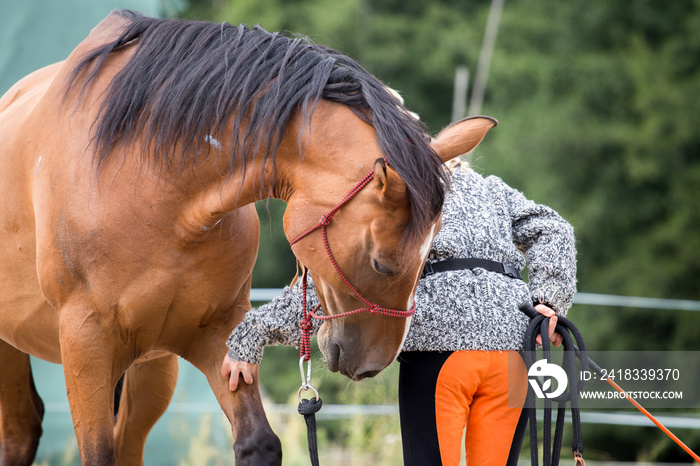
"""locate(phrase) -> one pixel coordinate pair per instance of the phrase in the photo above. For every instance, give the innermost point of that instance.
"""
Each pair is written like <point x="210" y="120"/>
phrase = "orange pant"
<point x="482" y="390"/>
<point x="472" y="390"/>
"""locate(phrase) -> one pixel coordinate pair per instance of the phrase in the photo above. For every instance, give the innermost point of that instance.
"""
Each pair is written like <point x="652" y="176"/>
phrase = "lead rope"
<point x="539" y="325"/>
<point x="308" y="407"/>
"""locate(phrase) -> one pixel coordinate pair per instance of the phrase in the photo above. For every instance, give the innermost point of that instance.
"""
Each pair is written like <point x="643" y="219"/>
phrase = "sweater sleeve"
<point x="548" y="243"/>
<point x="275" y="323"/>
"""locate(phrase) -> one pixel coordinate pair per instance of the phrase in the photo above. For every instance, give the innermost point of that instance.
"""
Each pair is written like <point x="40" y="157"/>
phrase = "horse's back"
<point x="23" y="96"/>
<point x="27" y="107"/>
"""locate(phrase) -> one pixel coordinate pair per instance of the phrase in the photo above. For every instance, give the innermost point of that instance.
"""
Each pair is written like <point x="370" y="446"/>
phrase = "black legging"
<point x="418" y="376"/>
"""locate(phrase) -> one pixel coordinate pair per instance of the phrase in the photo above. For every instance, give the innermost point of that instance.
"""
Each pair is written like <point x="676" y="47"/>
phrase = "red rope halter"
<point x="306" y="323"/>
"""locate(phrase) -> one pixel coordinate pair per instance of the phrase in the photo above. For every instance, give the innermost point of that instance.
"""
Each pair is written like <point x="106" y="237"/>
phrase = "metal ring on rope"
<point x="307" y="388"/>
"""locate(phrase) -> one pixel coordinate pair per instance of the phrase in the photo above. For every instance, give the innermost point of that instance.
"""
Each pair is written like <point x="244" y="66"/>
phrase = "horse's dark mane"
<point x="186" y="79"/>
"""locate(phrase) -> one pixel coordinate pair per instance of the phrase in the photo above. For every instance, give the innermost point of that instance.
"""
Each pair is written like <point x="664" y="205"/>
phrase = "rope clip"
<point x="306" y="378"/>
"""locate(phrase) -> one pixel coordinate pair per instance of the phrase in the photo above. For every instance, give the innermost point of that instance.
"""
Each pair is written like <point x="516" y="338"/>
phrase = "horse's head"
<point x="359" y="256"/>
<point x="237" y="126"/>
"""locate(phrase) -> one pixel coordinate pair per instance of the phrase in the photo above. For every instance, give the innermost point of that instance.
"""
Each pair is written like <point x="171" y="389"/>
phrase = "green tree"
<point x="597" y="103"/>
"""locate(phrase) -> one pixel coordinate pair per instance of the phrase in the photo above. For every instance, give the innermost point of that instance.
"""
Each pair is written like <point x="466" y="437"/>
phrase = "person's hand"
<point x="233" y="369"/>
<point x="554" y="338"/>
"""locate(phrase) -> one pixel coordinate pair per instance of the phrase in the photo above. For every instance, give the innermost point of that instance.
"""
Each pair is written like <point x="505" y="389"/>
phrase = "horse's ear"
<point x="389" y="182"/>
<point x="461" y="137"/>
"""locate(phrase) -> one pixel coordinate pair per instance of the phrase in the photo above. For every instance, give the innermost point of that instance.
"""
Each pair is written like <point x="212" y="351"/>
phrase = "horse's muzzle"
<point x="354" y="370"/>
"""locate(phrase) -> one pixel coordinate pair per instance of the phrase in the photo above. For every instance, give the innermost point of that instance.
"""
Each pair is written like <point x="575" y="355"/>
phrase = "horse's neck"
<point x="220" y="195"/>
<point x="309" y="191"/>
<point x="338" y="150"/>
<point x="215" y="193"/>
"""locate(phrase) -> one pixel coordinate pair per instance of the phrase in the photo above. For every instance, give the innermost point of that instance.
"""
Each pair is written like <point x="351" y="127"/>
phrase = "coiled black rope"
<point x="574" y="347"/>
<point x="308" y="408"/>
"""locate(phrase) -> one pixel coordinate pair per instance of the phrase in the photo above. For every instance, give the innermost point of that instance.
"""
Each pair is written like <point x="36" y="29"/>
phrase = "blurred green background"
<point x="598" y="105"/>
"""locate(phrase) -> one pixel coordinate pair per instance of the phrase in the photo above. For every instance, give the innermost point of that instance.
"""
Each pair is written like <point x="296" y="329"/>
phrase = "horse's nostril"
<point x="366" y="374"/>
<point x="333" y="358"/>
<point x="369" y="369"/>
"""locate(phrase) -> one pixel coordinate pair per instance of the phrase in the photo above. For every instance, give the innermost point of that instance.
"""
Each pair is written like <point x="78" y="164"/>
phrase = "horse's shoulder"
<point x="30" y="88"/>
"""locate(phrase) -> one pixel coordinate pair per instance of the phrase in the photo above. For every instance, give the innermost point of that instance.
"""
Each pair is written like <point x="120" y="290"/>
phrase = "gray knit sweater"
<point x="464" y="309"/>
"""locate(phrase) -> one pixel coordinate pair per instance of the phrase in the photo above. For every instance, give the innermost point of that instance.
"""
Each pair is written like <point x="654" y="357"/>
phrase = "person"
<point x="454" y="364"/>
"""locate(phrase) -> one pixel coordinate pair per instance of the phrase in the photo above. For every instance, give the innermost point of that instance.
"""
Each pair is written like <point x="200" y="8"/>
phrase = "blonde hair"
<point x="458" y="163"/>
<point x="399" y="97"/>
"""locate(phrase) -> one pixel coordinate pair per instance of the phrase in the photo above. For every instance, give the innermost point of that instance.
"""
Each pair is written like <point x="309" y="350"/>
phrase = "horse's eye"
<point x="380" y="269"/>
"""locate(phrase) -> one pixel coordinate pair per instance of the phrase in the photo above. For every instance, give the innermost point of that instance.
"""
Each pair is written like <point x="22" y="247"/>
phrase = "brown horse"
<point x="129" y="236"/>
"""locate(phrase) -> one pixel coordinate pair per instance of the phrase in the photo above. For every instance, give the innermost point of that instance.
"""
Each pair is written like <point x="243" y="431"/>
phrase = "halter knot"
<point x="306" y="323"/>
<point x="375" y="309"/>
<point x="325" y="220"/>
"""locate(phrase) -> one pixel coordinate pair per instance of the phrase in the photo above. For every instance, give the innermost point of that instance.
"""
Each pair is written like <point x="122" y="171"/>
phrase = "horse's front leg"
<point x="88" y="347"/>
<point x="148" y="388"/>
<point x="255" y="444"/>
<point x="21" y="408"/>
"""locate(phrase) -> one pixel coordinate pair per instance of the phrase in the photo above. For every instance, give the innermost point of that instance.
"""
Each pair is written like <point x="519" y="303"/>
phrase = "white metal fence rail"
<point x="592" y="299"/>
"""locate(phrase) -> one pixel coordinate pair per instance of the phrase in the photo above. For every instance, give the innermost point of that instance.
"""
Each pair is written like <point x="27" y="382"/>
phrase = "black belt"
<point x="471" y="263"/>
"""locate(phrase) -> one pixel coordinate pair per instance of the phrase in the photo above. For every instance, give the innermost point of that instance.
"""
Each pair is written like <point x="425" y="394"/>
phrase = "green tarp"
<point x="36" y="33"/>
